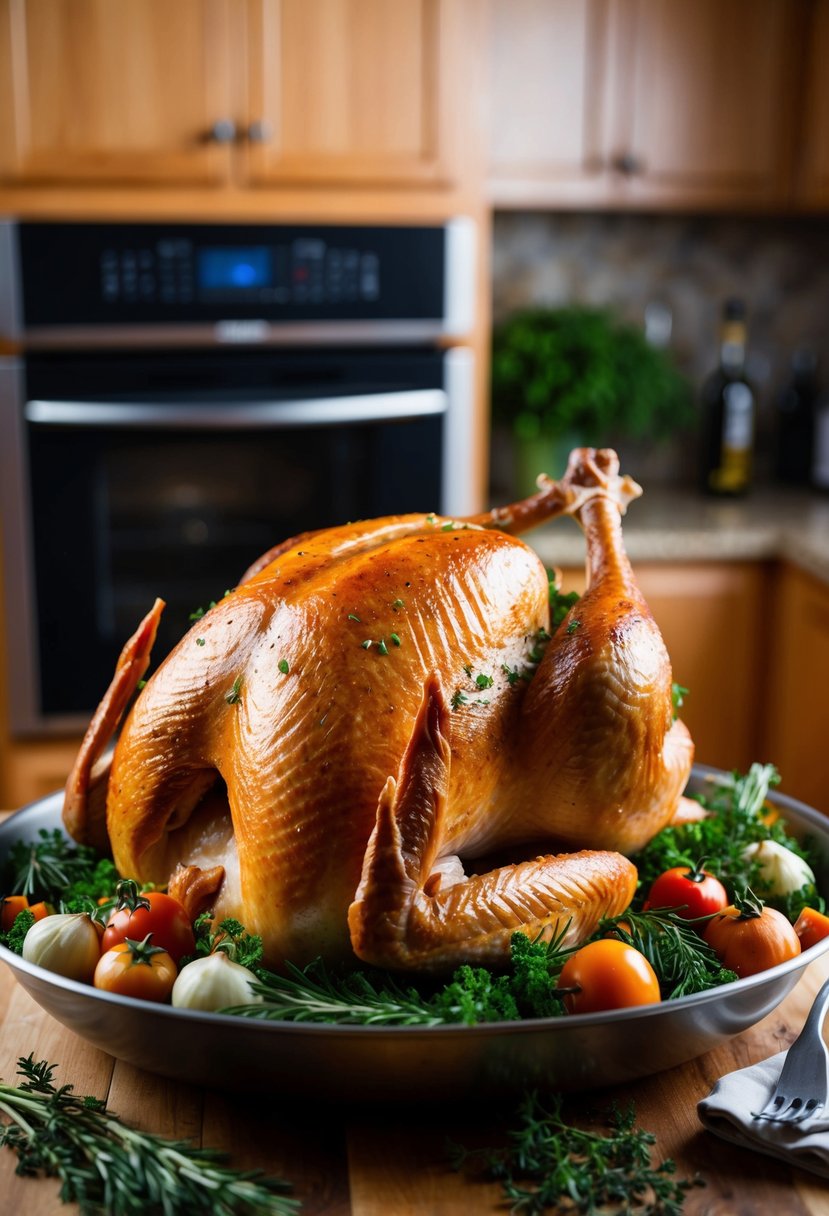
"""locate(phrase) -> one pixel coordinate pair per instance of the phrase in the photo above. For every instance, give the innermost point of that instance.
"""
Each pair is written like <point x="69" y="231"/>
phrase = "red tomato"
<point x="137" y="915"/>
<point x="608" y="974"/>
<point x="689" y="891"/>
<point x="811" y="927"/>
<point x="136" y="969"/>
<point x="12" y="906"/>
<point x="748" y="937"/>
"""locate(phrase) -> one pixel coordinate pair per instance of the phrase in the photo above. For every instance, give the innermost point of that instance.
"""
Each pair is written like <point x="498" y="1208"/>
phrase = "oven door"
<point x="168" y="474"/>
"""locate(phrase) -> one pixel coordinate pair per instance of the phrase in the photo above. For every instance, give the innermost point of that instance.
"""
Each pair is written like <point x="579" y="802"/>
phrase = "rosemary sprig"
<point x="109" y="1168"/>
<point x="548" y="1165"/>
<point x="312" y="994"/>
<point x="683" y="962"/>
<point x="472" y="995"/>
<point x="52" y="868"/>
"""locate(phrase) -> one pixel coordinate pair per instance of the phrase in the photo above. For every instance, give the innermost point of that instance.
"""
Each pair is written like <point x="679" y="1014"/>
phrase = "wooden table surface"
<point x="392" y="1162"/>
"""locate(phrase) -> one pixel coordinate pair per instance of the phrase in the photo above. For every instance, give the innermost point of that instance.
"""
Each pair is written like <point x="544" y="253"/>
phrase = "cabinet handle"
<point x="628" y="164"/>
<point x="223" y="131"/>
<point x="260" y="132"/>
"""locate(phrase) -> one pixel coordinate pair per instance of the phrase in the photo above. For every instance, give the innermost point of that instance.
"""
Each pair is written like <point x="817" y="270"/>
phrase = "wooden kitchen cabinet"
<point x="353" y="91"/>
<point x="233" y="92"/>
<point x="96" y="92"/>
<point x="642" y="102"/>
<point x="794" y="687"/>
<point x="713" y="617"/>
<point x="812" y="180"/>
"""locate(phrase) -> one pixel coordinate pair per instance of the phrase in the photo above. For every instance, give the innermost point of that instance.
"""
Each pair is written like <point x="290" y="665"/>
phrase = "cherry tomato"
<point x="811" y="927"/>
<point x="137" y="915"/>
<point x="608" y="974"/>
<point x="689" y="891"/>
<point x="12" y="906"/>
<point x="136" y="969"/>
<point x="748" y="937"/>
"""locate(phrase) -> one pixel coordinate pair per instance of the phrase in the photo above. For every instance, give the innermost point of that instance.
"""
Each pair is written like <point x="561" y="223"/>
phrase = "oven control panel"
<point x="304" y="271"/>
<point x="119" y="273"/>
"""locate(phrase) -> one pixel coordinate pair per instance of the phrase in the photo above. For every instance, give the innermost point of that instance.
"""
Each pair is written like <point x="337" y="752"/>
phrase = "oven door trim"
<point x="274" y="415"/>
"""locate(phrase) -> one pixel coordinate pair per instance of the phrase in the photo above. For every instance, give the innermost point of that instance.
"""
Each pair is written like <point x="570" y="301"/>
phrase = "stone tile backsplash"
<point x="689" y="266"/>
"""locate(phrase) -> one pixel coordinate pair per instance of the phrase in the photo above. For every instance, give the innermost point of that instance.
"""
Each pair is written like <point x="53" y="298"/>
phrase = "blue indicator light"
<point x="223" y="268"/>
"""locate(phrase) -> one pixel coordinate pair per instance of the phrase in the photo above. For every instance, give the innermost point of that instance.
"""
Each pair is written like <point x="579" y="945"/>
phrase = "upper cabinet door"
<point x="703" y="99"/>
<point x="546" y="82"/>
<point x="625" y="103"/>
<point x="812" y="182"/>
<point x="112" y="91"/>
<point x="361" y="92"/>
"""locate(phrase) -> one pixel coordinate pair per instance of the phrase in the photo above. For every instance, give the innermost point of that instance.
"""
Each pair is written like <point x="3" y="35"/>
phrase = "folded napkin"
<point x="727" y="1112"/>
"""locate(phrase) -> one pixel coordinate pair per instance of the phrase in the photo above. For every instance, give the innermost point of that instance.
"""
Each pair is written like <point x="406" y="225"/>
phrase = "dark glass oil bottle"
<point x="796" y="410"/>
<point x="728" y="411"/>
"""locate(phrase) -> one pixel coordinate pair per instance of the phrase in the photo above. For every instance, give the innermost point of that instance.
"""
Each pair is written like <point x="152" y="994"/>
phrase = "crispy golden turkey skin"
<point x="333" y="750"/>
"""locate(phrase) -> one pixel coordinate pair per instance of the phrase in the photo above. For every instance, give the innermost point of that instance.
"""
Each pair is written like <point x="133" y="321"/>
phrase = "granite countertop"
<point x="671" y="526"/>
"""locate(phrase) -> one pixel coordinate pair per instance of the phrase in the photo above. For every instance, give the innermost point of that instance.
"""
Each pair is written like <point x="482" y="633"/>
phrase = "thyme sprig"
<point x="549" y="1165"/>
<point x="107" y="1167"/>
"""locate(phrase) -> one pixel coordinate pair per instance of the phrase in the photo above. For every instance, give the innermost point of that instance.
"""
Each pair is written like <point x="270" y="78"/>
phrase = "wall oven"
<point x="175" y="399"/>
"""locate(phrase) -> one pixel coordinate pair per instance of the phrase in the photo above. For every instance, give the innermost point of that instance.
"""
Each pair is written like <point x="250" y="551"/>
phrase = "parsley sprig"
<point x="229" y="937"/>
<point x="105" y="1166"/>
<point x="550" y="1165"/>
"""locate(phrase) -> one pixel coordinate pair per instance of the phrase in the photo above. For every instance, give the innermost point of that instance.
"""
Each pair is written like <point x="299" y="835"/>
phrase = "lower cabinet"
<point x="795" y="686"/>
<point x="31" y="770"/>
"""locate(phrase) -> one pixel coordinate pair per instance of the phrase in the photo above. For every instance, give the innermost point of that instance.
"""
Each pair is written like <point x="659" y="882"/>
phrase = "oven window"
<point x="120" y="517"/>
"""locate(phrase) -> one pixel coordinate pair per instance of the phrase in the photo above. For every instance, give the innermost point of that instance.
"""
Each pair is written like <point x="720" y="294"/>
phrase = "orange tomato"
<point x="12" y="906"/>
<point x="748" y="943"/>
<point x="811" y="927"/>
<point x="608" y="974"/>
<point x="136" y="969"/>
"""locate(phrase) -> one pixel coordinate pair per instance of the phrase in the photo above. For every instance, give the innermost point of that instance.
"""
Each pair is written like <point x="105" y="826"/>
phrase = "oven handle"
<point x="317" y="411"/>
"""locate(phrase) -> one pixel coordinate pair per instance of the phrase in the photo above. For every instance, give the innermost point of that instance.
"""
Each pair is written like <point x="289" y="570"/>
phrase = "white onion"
<point x="214" y="982"/>
<point x="66" y="943"/>
<point x="781" y="870"/>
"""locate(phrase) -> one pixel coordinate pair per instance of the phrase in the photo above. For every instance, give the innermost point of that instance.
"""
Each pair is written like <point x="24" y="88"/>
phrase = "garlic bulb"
<point x="781" y="870"/>
<point x="214" y="982"/>
<point x="66" y="943"/>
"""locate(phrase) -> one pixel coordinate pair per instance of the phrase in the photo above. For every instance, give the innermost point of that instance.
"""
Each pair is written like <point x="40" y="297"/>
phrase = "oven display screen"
<point x="223" y="269"/>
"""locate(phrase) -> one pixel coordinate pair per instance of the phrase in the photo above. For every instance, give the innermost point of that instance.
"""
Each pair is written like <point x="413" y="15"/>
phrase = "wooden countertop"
<point x="393" y="1162"/>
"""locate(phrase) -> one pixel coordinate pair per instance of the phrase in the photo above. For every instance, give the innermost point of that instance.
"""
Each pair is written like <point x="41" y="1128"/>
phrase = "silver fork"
<point x="803" y="1086"/>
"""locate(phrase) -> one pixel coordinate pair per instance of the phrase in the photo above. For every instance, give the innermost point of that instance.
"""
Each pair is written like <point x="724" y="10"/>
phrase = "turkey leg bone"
<point x="601" y="744"/>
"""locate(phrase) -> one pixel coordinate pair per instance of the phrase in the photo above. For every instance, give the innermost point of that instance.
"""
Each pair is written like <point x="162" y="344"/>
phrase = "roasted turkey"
<point x="372" y="746"/>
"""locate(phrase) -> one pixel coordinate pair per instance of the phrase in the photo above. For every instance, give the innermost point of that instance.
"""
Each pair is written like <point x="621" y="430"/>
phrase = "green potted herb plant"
<point x="563" y="377"/>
